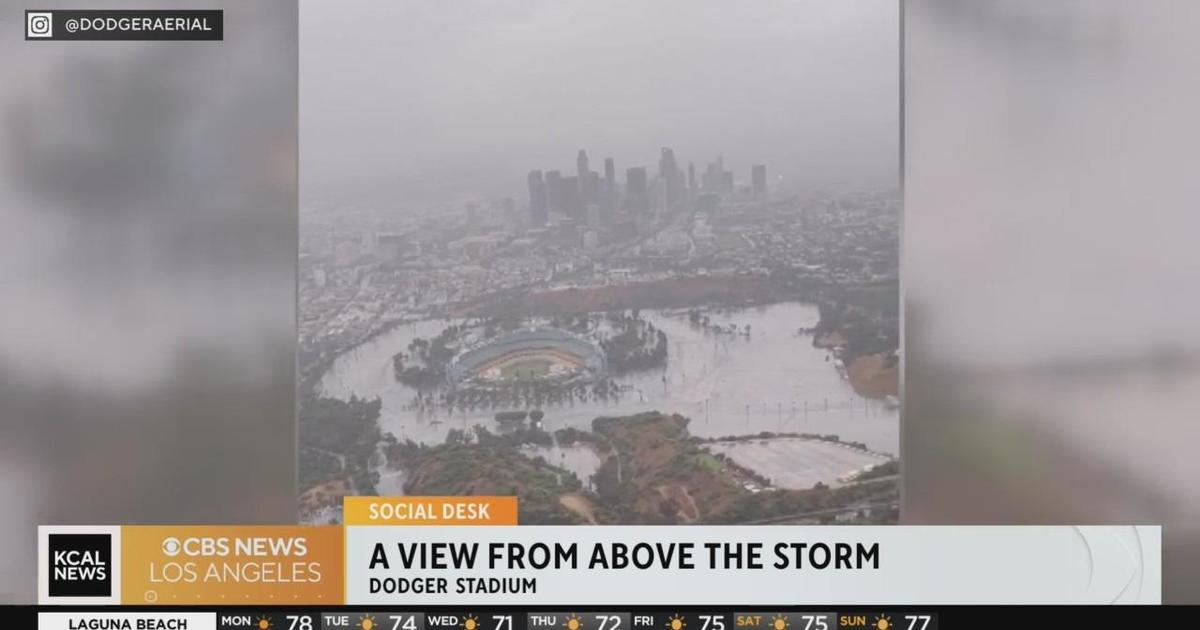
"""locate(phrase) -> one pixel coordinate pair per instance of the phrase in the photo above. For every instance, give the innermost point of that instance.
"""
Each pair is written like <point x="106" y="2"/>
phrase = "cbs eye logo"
<point x="39" y="24"/>
<point x="171" y="547"/>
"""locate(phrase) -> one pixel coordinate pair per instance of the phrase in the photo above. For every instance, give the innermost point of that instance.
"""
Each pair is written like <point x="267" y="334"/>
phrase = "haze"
<point x="435" y="101"/>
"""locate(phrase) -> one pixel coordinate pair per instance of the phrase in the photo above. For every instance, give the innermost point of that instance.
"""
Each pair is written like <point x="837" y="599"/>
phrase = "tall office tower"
<point x="636" y="189"/>
<point x="573" y="205"/>
<point x="666" y="163"/>
<point x="593" y="189"/>
<point x="725" y="181"/>
<point x="711" y="178"/>
<point x="609" y="189"/>
<point x="662" y="201"/>
<point x="668" y="172"/>
<point x="554" y="199"/>
<point x="538" y="210"/>
<point x="758" y="177"/>
<point x="691" y="182"/>
<point x="581" y="163"/>
<point x="582" y="173"/>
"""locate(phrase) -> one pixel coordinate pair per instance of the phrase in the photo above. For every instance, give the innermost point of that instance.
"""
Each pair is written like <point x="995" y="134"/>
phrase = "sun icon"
<point x="367" y="622"/>
<point x="573" y="623"/>
<point x="676" y="623"/>
<point x="883" y="622"/>
<point x="779" y="622"/>
<point x="471" y="622"/>
<point x="263" y="623"/>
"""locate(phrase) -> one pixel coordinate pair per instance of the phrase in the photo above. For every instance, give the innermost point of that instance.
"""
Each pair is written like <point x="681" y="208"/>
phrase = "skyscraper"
<point x="668" y="172"/>
<point x="573" y="205"/>
<point x="691" y="182"/>
<point x="592" y="187"/>
<point x="636" y="189"/>
<point x="538" y="210"/>
<point x="758" y="178"/>
<point x="666" y="163"/>
<point x="609" y="189"/>
<point x="711" y="179"/>
<point x="584" y="177"/>
<point x="717" y="179"/>
<point x="555" y="201"/>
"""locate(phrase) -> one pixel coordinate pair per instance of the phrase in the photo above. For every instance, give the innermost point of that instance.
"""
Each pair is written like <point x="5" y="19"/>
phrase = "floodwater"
<point x="391" y="480"/>
<point x="577" y="458"/>
<point x="824" y="462"/>
<point x="728" y="384"/>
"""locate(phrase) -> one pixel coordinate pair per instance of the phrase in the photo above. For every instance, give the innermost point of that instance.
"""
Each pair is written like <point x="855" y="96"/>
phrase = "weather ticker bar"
<point x="484" y="619"/>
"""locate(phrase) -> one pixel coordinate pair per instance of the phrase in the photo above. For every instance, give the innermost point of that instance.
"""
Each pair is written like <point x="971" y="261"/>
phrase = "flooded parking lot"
<point x="577" y="458"/>
<point x="798" y="463"/>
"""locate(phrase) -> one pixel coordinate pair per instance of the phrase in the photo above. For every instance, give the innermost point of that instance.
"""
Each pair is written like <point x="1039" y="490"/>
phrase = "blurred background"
<point x="147" y="267"/>
<point x="1050" y="267"/>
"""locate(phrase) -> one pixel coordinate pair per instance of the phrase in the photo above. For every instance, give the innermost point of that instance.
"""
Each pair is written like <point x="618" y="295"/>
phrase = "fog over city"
<point x="437" y="99"/>
<point x="549" y="236"/>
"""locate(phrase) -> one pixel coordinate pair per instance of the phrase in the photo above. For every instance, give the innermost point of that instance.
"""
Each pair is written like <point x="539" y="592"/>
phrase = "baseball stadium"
<point x="530" y="355"/>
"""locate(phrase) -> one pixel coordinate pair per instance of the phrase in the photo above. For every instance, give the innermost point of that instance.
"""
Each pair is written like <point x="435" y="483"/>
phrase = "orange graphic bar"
<point x="430" y="510"/>
<point x="207" y="565"/>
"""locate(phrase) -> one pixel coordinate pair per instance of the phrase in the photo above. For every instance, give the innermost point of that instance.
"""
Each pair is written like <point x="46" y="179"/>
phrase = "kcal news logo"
<point x="80" y="565"/>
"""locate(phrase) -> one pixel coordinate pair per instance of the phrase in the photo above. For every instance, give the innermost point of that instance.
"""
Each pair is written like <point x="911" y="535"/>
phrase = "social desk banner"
<point x="399" y="551"/>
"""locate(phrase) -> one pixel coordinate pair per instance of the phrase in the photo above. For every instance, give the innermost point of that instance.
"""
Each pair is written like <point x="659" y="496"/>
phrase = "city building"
<point x="758" y="178"/>
<point x="592" y="188"/>
<point x="691" y="182"/>
<point x="610" y="185"/>
<point x="390" y="246"/>
<point x="636" y="189"/>
<point x="669" y="173"/>
<point x="555" y="202"/>
<point x="572" y="197"/>
<point x="584" y="176"/>
<point x="716" y="179"/>
<point x="538" y="210"/>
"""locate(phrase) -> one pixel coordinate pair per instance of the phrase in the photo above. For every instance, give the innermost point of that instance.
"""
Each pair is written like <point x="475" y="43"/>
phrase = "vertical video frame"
<point x="635" y="263"/>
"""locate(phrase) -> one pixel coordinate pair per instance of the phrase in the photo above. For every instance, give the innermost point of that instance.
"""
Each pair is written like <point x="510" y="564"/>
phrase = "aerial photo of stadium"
<point x="634" y="288"/>
<point x="534" y="354"/>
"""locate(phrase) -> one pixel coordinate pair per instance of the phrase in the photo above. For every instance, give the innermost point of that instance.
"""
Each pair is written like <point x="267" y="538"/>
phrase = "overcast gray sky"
<point x="429" y="100"/>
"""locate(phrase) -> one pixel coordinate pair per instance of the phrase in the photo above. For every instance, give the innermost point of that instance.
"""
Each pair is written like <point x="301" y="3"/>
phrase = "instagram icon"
<point x="39" y="24"/>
